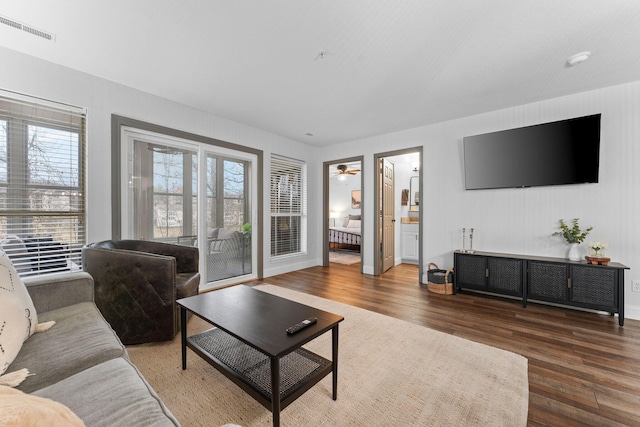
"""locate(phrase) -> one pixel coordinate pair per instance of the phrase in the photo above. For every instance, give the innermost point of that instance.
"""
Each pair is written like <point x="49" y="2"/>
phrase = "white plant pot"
<point x="574" y="252"/>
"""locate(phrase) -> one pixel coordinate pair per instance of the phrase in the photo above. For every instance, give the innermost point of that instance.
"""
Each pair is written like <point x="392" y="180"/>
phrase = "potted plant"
<point x="597" y="255"/>
<point x="574" y="235"/>
<point x="598" y="248"/>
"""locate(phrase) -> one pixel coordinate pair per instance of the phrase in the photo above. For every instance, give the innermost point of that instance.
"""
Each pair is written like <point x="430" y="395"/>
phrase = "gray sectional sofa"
<point x="80" y="362"/>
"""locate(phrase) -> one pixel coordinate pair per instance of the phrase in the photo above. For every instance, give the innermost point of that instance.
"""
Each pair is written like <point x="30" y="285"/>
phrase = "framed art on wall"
<point x="355" y="199"/>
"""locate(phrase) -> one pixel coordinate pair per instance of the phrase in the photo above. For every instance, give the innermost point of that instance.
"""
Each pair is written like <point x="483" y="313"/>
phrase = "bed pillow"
<point x="354" y="223"/>
<point x="22" y="409"/>
<point x="18" y="318"/>
<point x="349" y="218"/>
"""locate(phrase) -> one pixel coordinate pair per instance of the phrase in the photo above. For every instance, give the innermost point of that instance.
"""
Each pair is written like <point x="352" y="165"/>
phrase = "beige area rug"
<point x="344" y="257"/>
<point x="390" y="373"/>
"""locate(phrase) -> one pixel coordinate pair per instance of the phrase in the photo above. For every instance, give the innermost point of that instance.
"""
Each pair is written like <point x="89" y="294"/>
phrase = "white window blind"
<point x="42" y="184"/>
<point x="288" y="206"/>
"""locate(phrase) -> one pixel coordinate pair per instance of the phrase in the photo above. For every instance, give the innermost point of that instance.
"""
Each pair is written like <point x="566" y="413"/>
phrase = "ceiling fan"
<point x="344" y="170"/>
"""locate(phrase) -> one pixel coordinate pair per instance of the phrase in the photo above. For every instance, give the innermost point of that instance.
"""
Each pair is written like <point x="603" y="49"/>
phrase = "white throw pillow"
<point x="18" y="318"/>
<point x="354" y="223"/>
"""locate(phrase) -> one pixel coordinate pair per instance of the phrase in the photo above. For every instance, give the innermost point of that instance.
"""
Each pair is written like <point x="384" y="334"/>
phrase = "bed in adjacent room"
<point x="348" y="236"/>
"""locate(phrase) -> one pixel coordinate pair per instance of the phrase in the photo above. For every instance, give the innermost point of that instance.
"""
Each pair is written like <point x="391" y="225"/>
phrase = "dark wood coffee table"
<point x="251" y="347"/>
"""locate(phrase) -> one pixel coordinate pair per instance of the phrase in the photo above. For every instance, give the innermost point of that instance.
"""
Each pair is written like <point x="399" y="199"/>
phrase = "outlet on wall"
<point x="635" y="285"/>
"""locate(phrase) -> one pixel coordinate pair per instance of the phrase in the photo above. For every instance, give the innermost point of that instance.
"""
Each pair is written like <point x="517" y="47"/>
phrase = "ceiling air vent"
<point x="27" y="28"/>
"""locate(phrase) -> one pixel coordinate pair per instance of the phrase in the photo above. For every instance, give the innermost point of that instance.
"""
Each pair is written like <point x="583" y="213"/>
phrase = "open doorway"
<point x="398" y="213"/>
<point x="343" y="186"/>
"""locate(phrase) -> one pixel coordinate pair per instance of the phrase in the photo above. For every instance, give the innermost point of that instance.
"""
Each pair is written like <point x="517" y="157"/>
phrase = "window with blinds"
<point x="288" y="206"/>
<point x="42" y="194"/>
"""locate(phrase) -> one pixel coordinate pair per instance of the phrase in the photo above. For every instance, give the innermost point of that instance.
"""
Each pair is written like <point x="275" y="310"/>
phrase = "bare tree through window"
<point x="42" y="204"/>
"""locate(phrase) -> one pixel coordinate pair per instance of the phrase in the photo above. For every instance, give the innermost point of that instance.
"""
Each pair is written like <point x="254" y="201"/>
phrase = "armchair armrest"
<point x="53" y="291"/>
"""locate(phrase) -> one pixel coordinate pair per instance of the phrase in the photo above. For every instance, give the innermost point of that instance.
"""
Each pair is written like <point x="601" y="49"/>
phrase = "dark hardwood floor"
<point x="583" y="368"/>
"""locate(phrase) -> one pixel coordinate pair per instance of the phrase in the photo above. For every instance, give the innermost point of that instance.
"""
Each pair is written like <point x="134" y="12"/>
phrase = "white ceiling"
<point x="389" y="64"/>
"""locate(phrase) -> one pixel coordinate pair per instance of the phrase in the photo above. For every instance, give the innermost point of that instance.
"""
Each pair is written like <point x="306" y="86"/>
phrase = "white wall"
<point x="521" y="221"/>
<point x="340" y="196"/>
<point x="102" y="98"/>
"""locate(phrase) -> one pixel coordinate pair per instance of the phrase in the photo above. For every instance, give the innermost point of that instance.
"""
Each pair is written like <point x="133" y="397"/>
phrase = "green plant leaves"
<point x="572" y="234"/>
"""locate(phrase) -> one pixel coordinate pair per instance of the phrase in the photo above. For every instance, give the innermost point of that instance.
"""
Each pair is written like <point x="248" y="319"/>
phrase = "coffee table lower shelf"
<point x="251" y="370"/>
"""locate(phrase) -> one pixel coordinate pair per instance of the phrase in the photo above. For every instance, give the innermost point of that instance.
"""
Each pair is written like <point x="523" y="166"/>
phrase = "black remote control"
<point x="295" y="328"/>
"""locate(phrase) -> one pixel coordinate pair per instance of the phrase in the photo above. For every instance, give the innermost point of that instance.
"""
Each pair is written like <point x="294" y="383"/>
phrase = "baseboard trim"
<point x="288" y="266"/>
<point x="632" y="312"/>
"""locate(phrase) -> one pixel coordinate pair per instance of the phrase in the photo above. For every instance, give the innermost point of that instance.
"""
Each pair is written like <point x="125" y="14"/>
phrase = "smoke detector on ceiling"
<point x="27" y="28"/>
<point x="322" y="54"/>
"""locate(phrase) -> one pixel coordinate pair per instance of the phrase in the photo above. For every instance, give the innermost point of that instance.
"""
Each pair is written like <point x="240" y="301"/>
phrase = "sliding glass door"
<point x="228" y="218"/>
<point x="169" y="199"/>
<point x="165" y="197"/>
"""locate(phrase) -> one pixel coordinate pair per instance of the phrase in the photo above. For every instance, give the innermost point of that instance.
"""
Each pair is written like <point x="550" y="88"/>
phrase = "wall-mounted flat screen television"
<point x="556" y="153"/>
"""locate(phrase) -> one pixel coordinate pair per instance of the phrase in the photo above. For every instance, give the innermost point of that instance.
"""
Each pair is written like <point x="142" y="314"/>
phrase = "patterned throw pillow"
<point x="18" y="318"/>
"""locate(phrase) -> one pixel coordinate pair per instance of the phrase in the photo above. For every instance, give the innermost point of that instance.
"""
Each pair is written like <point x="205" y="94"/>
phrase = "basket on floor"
<point x="439" y="281"/>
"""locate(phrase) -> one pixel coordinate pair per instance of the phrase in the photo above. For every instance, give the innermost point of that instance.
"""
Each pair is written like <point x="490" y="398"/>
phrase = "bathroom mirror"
<point x="414" y="193"/>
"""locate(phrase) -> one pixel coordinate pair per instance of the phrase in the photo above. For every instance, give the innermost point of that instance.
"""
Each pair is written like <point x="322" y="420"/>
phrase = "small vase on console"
<point x="574" y="235"/>
<point x="574" y="252"/>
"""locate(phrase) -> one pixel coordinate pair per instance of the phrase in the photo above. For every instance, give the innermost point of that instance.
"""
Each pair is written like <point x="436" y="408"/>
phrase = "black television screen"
<point x="556" y="153"/>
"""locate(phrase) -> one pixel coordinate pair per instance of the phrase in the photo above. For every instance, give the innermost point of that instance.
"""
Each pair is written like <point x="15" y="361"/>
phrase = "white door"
<point x="388" y="220"/>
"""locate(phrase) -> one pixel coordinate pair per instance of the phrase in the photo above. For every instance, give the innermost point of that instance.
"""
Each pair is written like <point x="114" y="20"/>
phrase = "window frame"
<point x="293" y="170"/>
<point x="58" y="248"/>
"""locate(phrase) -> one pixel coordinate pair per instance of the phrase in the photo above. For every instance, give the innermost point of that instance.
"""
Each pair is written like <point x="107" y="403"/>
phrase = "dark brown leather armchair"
<point x="137" y="283"/>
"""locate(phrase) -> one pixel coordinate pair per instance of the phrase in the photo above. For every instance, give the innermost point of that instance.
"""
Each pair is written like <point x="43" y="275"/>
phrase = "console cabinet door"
<point x="594" y="287"/>
<point x="470" y="272"/>
<point x="505" y="276"/>
<point x="548" y="281"/>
